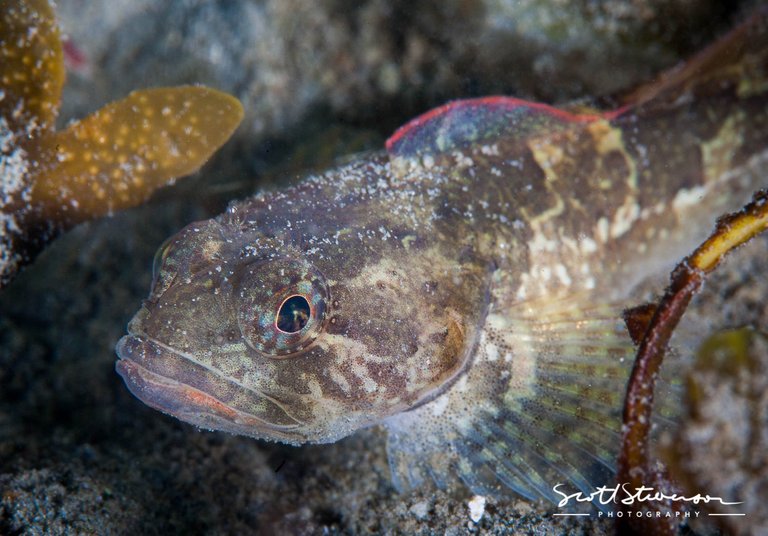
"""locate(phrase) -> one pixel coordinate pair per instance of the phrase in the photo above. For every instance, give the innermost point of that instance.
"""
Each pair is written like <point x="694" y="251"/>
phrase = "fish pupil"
<point x="293" y="315"/>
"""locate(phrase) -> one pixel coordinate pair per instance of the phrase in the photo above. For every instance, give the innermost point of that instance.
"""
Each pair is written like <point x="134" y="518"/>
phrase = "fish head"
<point x="262" y="326"/>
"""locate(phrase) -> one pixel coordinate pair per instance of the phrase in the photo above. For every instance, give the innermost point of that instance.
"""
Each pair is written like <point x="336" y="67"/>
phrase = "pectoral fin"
<point x="541" y="405"/>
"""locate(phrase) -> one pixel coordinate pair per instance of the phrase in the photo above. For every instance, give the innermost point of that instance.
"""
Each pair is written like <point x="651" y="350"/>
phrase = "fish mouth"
<point x="169" y="381"/>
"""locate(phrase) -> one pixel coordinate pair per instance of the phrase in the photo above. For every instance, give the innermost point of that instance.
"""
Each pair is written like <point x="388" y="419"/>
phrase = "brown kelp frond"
<point x="31" y="65"/>
<point x="111" y="160"/>
<point x="635" y="467"/>
<point x="116" y="157"/>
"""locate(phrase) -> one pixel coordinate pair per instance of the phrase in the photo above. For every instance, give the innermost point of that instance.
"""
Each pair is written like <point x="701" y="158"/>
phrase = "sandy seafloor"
<point x="79" y="454"/>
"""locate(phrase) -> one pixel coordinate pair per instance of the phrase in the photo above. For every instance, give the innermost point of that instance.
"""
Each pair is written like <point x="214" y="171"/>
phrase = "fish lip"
<point x="184" y="401"/>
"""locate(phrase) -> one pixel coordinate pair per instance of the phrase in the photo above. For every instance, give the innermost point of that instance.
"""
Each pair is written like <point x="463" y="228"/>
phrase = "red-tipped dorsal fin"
<point x="474" y="122"/>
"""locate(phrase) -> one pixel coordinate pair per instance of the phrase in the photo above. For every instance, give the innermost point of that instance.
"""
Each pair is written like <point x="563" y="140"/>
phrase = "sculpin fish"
<point x="462" y="288"/>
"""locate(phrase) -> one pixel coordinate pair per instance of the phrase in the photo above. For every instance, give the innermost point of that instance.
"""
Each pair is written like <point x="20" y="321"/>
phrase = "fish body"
<point x="463" y="288"/>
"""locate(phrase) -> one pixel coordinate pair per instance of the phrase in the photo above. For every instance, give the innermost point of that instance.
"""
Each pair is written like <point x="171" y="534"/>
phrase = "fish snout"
<point x="174" y="383"/>
<point x="135" y="348"/>
<point x="140" y="365"/>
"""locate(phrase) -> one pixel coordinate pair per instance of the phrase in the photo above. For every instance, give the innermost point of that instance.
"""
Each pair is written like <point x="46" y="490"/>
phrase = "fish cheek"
<point x="414" y="345"/>
<point x="192" y="317"/>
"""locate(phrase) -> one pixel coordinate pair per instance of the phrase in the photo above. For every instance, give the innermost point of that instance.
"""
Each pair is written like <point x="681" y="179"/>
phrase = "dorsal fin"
<point x="736" y="64"/>
<point x="485" y="120"/>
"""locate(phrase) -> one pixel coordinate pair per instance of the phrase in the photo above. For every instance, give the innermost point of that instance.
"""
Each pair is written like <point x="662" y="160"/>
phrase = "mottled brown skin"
<point x="470" y="287"/>
<point x="368" y="262"/>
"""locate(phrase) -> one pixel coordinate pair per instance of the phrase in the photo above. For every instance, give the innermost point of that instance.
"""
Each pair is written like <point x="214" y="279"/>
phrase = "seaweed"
<point x="635" y="465"/>
<point x="113" y="159"/>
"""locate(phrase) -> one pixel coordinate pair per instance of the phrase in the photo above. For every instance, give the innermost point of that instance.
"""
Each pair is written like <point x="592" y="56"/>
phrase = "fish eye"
<point x="293" y="315"/>
<point x="282" y="305"/>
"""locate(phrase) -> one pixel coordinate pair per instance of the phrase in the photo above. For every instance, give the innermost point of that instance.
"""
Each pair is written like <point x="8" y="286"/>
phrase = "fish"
<point x="462" y="288"/>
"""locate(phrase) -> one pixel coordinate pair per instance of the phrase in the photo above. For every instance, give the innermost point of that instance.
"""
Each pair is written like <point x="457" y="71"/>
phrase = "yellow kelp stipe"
<point x="116" y="157"/>
<point x="31" y="65"/>
<point x="635" y="465"/>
